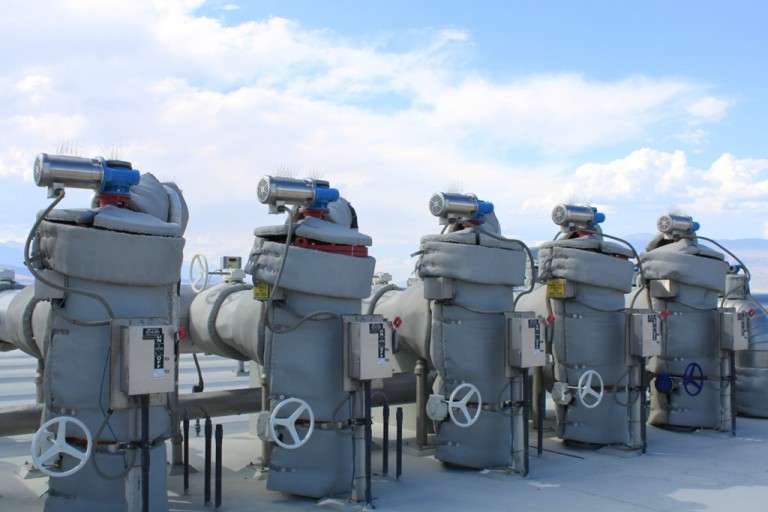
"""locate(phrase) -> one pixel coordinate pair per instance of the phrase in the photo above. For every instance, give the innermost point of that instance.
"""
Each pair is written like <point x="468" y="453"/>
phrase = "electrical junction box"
<point x="734" y="330"/>
<point x="526" y="343"/>
<point x="644" y="333"/>
<point x="147" y="359"/>
<point x="367" y="349"/>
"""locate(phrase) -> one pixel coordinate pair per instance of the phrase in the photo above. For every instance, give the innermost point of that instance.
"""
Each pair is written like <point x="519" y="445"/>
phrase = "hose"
<point x="530" y="259"/>
<point x="379" y="293"/>
<point x="28" y="262"/>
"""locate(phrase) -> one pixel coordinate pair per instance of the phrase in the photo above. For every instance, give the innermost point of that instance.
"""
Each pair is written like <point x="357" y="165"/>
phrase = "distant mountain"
<point x="12" y="257"/>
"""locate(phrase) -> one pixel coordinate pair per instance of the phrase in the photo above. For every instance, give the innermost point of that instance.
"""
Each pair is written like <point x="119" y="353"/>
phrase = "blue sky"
<point x="638" y="108"/>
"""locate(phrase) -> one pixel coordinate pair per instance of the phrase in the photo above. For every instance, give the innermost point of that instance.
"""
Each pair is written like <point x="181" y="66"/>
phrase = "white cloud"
<point x="214" y="107"/>
<point x="33" y="82"/>
<point x="725" y="198"/>
<point x="559" y="112"/>
<point x="709" y="108"/>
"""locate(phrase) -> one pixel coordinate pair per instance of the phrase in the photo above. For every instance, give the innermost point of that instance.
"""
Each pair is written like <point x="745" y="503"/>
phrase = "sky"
<point x="636" y="108"/>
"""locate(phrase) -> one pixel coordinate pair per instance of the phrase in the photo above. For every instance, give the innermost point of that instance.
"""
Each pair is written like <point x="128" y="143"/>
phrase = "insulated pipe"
<point x="25" y="419"/>
<point x="22" y="317"/>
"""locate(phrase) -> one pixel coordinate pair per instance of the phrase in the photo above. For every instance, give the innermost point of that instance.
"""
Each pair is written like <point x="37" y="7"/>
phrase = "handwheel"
<point x="49" y="444"/>
<point x="585" y="389"/>
<point x="460" y="405"/>
<point x="202" y="276"/>
<point x="693" y="379"/>
<point x="289" y="423"/>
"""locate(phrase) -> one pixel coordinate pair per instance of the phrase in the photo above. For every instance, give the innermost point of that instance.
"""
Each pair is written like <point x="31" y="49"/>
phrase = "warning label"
<point x="260" y="290"/>
<point x="155" y="334"/>
<point x="382" y="339"/>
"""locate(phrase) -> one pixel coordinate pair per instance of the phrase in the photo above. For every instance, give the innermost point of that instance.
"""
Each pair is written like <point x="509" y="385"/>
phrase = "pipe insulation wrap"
<point x="222" y="321"/>
<point x="690" y="335"/>
<point x="303" y="353"/>
<point x="129" y="261"/>
<point x="752" y="364"/>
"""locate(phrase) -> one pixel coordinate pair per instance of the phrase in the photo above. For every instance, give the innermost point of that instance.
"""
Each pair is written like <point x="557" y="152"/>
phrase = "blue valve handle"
<point x="663" y="383"/>
<point x="693" y="379"/>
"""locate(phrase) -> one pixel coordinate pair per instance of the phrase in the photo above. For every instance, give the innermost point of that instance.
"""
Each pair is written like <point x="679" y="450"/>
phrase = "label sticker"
<point x="260" y="290"/>
<point x="156" y="335"/>
<point x="556" y="288"/>
<point x="533" y="323"/>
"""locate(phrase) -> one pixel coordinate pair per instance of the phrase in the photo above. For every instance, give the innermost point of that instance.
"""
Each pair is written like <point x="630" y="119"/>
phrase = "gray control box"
<point x="367" y="349"/>
<point x="526" y="343"/>
<point x="644" y="333"/>
<point x="734" y="330"/>
<point x="147" y="359"/>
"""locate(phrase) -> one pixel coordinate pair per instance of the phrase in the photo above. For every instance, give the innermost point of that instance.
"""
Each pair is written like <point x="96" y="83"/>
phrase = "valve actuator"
<point x="453" y="207"/>
<point x="309" y="194"/>
<point x="56" y="172"/>
<point x="570" y="217"/>
<point x="672" y="225"/>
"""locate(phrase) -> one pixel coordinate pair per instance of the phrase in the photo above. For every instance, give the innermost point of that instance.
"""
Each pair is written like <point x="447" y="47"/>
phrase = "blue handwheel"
<point x="663" y="383"/>
<point x="693" y="377"/>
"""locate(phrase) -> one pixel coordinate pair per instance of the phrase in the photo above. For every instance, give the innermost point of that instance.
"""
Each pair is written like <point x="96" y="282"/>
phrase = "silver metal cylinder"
<point x="669" y="222"/>
<point x="288" y="190"/>
<point x="70" y="171"/>
<point x="442" y="203"/>
<point x="564" y="214"/>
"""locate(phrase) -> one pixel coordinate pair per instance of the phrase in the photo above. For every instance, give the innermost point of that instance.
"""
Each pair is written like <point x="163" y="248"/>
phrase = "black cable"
<point x="528" y="253"/>
<point x="28" y="261"/>
<point x="198" y="388"/>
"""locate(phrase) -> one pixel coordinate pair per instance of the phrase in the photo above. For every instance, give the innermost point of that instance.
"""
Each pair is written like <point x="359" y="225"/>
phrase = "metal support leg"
<point x="266" y="446"/>
<point x="422" y="394"/>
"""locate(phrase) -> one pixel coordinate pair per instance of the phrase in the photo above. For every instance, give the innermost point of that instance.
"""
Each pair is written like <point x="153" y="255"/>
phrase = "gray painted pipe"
<point x="25" y="419"/>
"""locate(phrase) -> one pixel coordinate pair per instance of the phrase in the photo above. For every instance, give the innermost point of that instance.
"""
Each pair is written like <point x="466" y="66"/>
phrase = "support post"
<point x="207" y="477"/>
<point x="422" y="395"/>
<point x="219" y="461"/>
